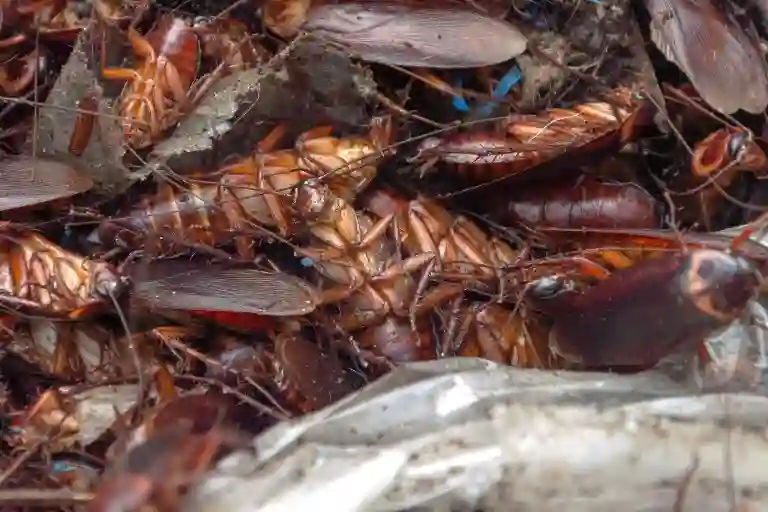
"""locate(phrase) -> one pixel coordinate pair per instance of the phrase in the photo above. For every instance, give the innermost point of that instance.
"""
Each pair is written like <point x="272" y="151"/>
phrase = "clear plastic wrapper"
<point x="466" y="434"/>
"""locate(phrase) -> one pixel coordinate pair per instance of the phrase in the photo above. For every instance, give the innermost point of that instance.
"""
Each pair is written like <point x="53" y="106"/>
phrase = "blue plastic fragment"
<point x="459" y="103"/>
<point x="60" y="466"/>
<point x="507" y="82"/>
<point x="307" y="262"/>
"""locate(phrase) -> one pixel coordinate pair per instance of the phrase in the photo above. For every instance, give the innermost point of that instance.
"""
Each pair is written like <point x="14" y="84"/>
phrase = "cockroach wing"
<point x="187" y="286"/>
<point x="393" y="33"/>
<point x="27" y="181"/>
<point x="720" y="58"/>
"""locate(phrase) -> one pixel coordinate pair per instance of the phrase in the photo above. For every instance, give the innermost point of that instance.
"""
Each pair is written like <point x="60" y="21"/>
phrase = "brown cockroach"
<point x="163" y="83"/>
<point x="84" y="124"/>
<point x="623" y="248"/>
<point x="585" y="203"/>
<point x="715" y="164"/>
<point x="39" y="277"/>
<point x="22" y="20"/>
<point x="17" y="74"/>
<point x="277" y="189"/>
<point x="160" y="469"/>
<point x="156" y="461"/>
<point x="513" y="337"/>
<point x="374" y="290"/>
<point x="74" y="351"/>
<point x="645" y="312"/>
<point x="714" y="49"/>
<point x="524" y="141"/>
<point x="429" y="35"/>
<point x="381" y="302"/>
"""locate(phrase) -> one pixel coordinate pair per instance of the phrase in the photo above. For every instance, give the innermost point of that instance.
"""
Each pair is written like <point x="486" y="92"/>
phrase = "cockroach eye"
<point x="736" y="144"/>
<point x="548" y="287"/>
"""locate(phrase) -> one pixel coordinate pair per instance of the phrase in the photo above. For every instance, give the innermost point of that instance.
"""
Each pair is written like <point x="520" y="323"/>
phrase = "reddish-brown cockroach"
<point x="585" y="203"/>
<point x="278" y="189"/>
<point x="17" y="74"/>
<point x="715" y="164"/>
<point x="30" y="182"/>
<point x="84" y="124"/>
<point x="163" y="83"/>
<point x="39" y="277"/>
<point x="645" y="312"/>
<point x="158" y="470"/>
<point x="376" y="290"/>
<point x="623" y="248"/>
<point x="380" y="300"/>
<point x="427" y="35"/>
<point x="506" y="336"/>
<point x="56" y="20"/>
<point x="526" y="140"/>
<point x="460" y="250"/>
<point x="711" y="46"/>
<point x="302" y="377"/>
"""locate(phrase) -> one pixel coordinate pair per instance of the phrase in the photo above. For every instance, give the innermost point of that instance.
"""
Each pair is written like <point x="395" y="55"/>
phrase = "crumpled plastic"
<point x="466" y="434"/>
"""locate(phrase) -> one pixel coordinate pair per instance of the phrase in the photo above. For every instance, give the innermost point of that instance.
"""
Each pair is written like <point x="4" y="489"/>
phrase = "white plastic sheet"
<point x="465" y="434"/>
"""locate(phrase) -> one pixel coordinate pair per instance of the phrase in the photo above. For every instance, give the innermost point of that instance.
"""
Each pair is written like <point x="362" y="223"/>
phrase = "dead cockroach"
<point x="585" y="203"/>
<point x="84" y="124"/>
<point x="460" y="251"/>
<point x="27" y="182"/>
<point x="526" y="140"/>
<point x="39" y="277"/>
<point x="429" y="35"/>
<point x="643" y="313"/>
<point x="17" y="74"/>
<point x="209" y="288"/>
<point x="514" y="337"/>
<point x="277" y="189"/>
<point x="163" y="83"/>
<point x="623" y="248"/>
<point x="160" y="469"/>
<point x="715" y="164"/>
<point x="714" y="49"/>
<point x="22" y="20"/>
<point x="373" y="290"/>
<point x="74" y="351"/>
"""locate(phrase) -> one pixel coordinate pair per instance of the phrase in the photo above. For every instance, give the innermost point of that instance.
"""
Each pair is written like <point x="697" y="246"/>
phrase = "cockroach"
<point x="717" y="52"/>
<point x="84" y="124"/>
<point x="303" y="377"/>
<point x="513" y="337"/>
<point x="716" y="162"/>
<point x="39" y="277"/>
<point x="461" y="251"/>
<point x="27" y="181"/>
<point x="435" y="35"/>
<point x="175" y="284"/>
<point x="277" y="189"/>
<point x="158" y="470"/>
<point x="73" y="351"/>
<point x="585" y="203"/>
<point x="524" y="141"/>
<point x="56" y="20"/>
<point x="623" y="248"/>
<point x="645" y="312"/>
<point x="373" y="290"/>
<point x="17" y="75"/>
<point x="163" y="81"/>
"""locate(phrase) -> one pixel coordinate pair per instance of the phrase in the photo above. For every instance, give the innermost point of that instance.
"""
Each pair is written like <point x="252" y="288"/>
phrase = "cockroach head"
<point x="107" y="283"/>
<point x="719" y="283"/>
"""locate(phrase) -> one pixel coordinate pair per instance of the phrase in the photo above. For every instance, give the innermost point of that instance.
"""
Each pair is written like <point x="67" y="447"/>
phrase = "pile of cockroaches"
<point x="564" y="220"/>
